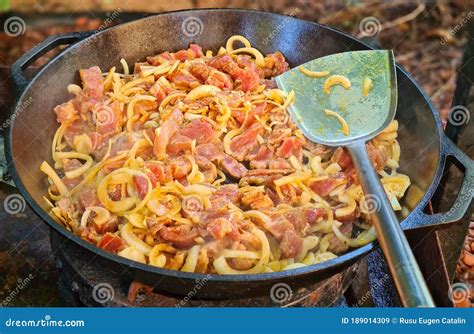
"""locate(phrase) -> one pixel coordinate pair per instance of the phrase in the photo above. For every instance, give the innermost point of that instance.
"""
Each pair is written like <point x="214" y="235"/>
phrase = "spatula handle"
<point x="404" y="269"/>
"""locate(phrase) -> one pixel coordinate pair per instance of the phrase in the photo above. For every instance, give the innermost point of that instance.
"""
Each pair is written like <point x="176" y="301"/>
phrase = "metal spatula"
<point x="368" y="104"/>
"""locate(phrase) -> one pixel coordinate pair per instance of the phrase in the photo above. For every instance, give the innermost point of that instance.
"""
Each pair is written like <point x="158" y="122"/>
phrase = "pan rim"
<point x="353" y="255"/>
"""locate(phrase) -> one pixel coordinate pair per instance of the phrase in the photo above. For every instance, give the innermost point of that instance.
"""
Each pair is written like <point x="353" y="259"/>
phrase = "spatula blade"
<point x="366" y="115"/>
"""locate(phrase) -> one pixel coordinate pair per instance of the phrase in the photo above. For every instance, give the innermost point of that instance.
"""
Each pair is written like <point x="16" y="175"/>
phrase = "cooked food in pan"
<point x="190" y="161"/>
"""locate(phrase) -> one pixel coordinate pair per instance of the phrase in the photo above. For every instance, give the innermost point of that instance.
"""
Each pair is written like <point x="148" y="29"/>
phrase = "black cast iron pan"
<point x="423" y="143"/>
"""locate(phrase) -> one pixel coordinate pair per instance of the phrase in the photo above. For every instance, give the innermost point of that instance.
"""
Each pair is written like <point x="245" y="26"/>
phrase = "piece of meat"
<point x="181" y="236"/>
<point x="377" y="155"/>
<point x="111" y="243"/>
<point x="108" y="119"/>
<point x="180" y="167"/>
<point x="199" y="130"/>
<point x="88" y="197"/>
<point x="233" y="168"/>
<point x="211" y="151"/>
<point x="108" y="227"/>
<point x="324" y="187"/>
<point x="207" y="168"/>
<point x="257" y="200"/>
<point x="291" y="146"/>
<point x="338" y="246"/>
<point x="284" y="232"/>
<point x="224" y="195"/>
<point x="275" y="64"/>
<point x="141" y="185"/>
<point x="248" y="76"/>
<point x="247" y="119"/>
<point x="262" y="159"/>
<point x="242" y="144"/>
<point x="279" y="164"/>
<point x="179" y="144"/>
<point x="162" y="173"/>
<point x="219" y="228"/>
<point x="92" y="84"/>
<point x="290" y="244"/>
<point x="66" y="112"/>
<point x="168" y="128"/>
<point x="183" y="80"/>
<point x="342" y="158"/>
<point x="220" y="80"/>
<point x="165" y="57"/>
<point x="191" y="205"/>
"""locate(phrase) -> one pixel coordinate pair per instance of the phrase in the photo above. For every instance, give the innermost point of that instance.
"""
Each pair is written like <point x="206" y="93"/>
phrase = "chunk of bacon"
<point x="200" y="130"/>
<point x="291" y="146"/>
<point x="162" y="173"/>
<point x="262" y="159"/>
<point x="324" y="187"/>
<point x="181" y="236"/>
<point x="242" y="144"/>
<point x="284" y="231"/>
<point x="179" y="144"/>
<point x="191" y="205"/>
<point x="275" y="64"/>
<point x="233" y="167"/>
<point x="111" y="243"/>
<point x="183" y="80"/>
<point x="92" y="84"/>
<point x="210" y="151"/>
<point x="109" y="119"/>
<point x="248" y="76"/>
<point x="220" y="79"/>
<point x="207" y="168"/>
<point x="141" y="185"/>
<point x="180" y="167"/>
<point x="168" y="128"/>
<point x="224" y="195"/>
<point x="160" y="59"/>
<point x="88" y="197"/>
<point x="247" y="119"/>
<point x="65" y="112"/>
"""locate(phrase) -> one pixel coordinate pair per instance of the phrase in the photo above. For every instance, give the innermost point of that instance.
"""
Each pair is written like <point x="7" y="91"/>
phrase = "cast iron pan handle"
<point x="463" y="199"/>
<point x="48" y="44"/>
<point x="21" y="81"/>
